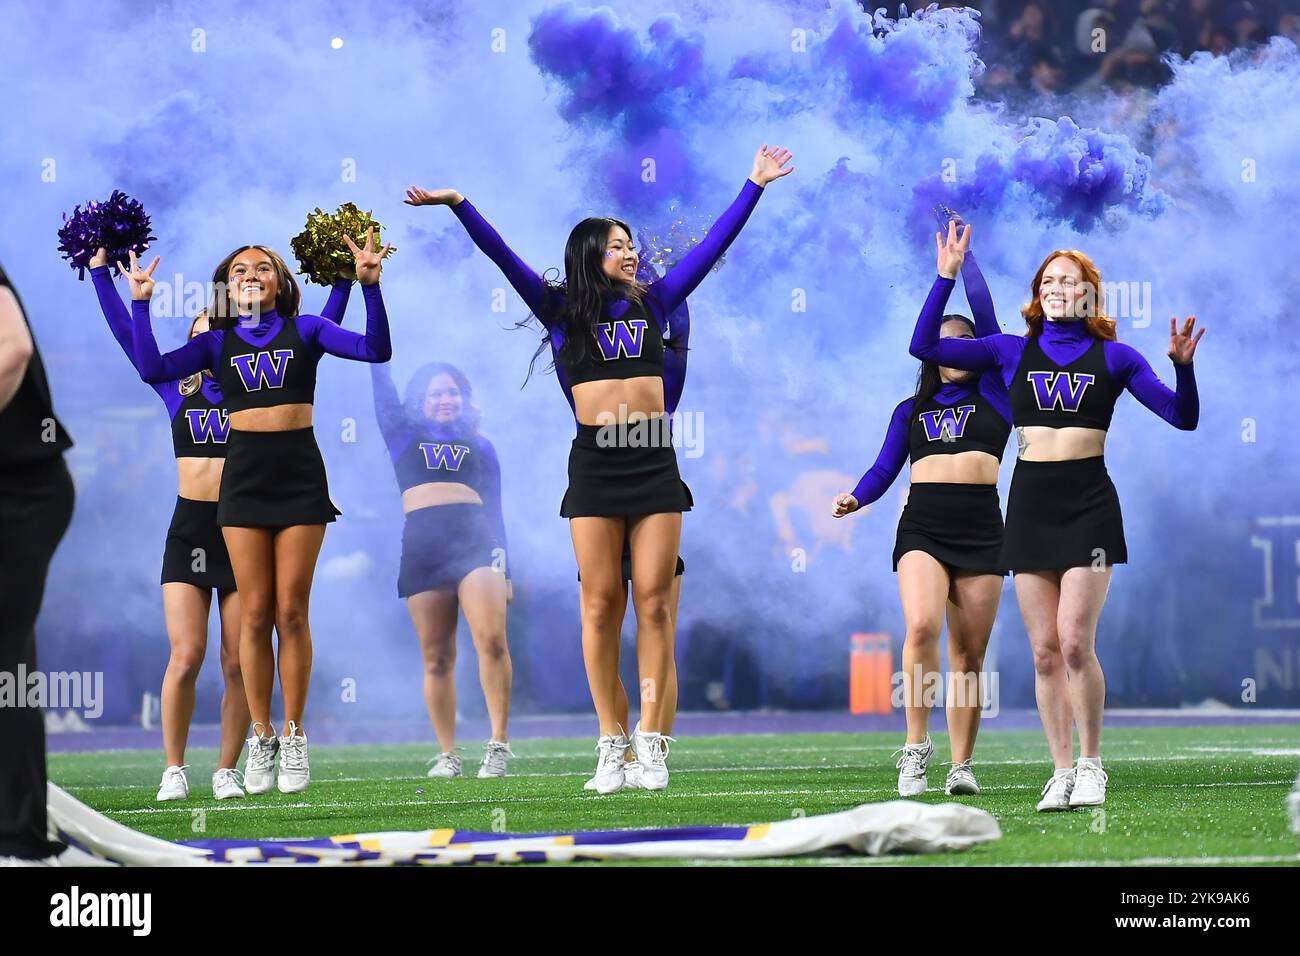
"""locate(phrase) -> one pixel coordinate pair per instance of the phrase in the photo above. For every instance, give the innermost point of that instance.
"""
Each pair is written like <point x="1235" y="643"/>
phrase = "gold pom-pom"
<point x="320" y="250"/>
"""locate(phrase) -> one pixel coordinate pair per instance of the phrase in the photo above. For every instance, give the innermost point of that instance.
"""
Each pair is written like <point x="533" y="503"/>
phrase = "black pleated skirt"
<point x="195" y="552"/>
<point x="443" y="543"/>
<point x="613" y="476"/>
<point x="1062" y="514"/>
<point x="959" y="525"/>
<point x="274" y="480"/>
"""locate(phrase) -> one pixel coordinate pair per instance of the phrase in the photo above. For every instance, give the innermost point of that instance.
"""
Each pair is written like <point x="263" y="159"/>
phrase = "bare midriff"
<point x="199" y="479"/>
<point x="277" y="418"/>
<point x="963" y="468"/>
<point x="1041" y="443"/>
<point x="433" y="493"/>
<point x="594" y="401"/>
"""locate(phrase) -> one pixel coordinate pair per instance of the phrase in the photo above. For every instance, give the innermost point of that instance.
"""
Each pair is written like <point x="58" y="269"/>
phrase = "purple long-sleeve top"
<point x="663" y="297"/>
<point x="1062" y="342"/>
<point x="893" y="452"/>
<point x="319" y="335"/>
<point x="119" y="323"/>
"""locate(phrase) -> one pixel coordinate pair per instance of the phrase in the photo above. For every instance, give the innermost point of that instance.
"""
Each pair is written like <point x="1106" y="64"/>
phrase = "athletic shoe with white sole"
<point x="446" y="765"/>
<point x="961" y="781"/>
<point x="174" y="786"/>
<point x="295" y="773"/>
<point x="632" y="776"/>
<point x="1056" y="792"/>
<point x="225" y="784"/>
<point x="650" y="753"/>
<point x="911" y="767"/>
<point x="1089" y="785"/>
<point x="612" y="755"/>
<point x="259" y="768"/>
<point x="495" y="756"/>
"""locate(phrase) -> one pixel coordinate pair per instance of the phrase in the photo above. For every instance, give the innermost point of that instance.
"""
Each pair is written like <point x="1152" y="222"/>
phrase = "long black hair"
<point x="418" y="387"/>
<point x="585" y="290"/>
<point x="928" y="380"/>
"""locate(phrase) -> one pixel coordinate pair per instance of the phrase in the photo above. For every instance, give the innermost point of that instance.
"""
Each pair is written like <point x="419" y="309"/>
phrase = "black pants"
<point x="35" y="508"/>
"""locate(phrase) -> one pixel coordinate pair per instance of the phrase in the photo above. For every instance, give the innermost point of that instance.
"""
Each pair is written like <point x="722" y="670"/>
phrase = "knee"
<point x="922" y="632"/>
<point x="492" y="646"/>
<point x="1076" y="648"/>
<point x="1047" y="658"/>
<point x="185" y="664"/>
<point x="965" y="661"/>
<point x="653" y="606"/>
<point x="257" y="616"/>
<point x="291" y="619"/>
<point x="230" y="670"/>
<point x="440" y="660"/>
<point x="602" y="608"/>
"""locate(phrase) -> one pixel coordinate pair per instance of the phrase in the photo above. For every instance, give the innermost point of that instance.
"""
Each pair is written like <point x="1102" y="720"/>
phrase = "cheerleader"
<point x="606" y="334"/>
<point x="676" y="351"/>
<point x="195" y="561"/>
<point x="453" y="546"/>
<point x="953" y="430"/>
<point x="273" y="503"/>
<point x="1064" y="532"/>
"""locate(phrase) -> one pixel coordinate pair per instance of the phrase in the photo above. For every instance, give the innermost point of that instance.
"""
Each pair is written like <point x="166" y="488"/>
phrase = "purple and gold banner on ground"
<point x="872" y="829"/>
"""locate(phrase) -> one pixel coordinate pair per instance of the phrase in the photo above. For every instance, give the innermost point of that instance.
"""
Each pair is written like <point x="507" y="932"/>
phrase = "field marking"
<point x="230" y="806"/>
<point x="1018" y="762"/>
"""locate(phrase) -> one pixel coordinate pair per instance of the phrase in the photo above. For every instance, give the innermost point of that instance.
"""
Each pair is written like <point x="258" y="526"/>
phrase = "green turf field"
<point x="1186" y="795"/>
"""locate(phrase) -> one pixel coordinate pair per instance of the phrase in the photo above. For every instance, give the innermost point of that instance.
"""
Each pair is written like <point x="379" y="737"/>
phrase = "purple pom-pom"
<point x="119" y="224"/>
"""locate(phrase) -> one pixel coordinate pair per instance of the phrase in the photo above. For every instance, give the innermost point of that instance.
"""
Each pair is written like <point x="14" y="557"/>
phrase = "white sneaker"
<point x="225" y="784"/>
<point x="445" y="765"/>
<point x="650" y="751"/>
<point x="1056" y="792"/>
<point x="610" y="777"/>
<point x="911" y="767"/>
<point x="631" y="776"/>
<point x="294" y="773"/>
<point x="1089" y="785"/>
<point x="174" y="785"/>
<point x="495" y="755"/>
<point x="961" y="781"/>
<point x="259" y="768"/>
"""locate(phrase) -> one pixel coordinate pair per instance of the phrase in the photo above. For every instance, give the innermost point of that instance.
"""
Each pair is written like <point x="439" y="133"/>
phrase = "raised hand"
<point x="769" y="164"/>
<point x="140" y="280"/>
<point x="952" y="250"/>
<point x="100" y="258"/>
<point x="1182" y="345"/>
<point x="844" y="504"/>
<point x="415" y="196"/>
<point x="368" y="261"/>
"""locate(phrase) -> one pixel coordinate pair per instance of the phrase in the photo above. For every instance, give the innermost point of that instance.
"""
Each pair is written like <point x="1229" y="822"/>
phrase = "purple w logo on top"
<point x="946" y="424"/>
<point x="438" y="455"/>
<point x="258" y="370"/>
<point x="208" y="425"/>
<point x="622" y="338"/>
<point x="1061" y="391"/>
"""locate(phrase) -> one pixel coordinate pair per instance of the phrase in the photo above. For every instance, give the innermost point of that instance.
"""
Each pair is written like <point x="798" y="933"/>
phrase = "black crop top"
<point x="970" y="423"/>
<point x="1081" y="394"/>
<point x="629" y="346"/>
